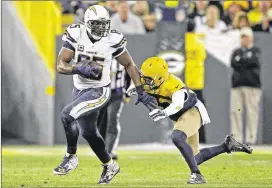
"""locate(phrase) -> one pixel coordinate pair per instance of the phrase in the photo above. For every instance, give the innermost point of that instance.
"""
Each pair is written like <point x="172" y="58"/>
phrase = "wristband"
<point x="139" y="89"/>
<point x="75" y="70"/>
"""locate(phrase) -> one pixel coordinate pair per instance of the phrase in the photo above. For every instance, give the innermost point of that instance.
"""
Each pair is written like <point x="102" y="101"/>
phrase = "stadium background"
<point x="33" y="94"/>
<point x="33" y="35"/>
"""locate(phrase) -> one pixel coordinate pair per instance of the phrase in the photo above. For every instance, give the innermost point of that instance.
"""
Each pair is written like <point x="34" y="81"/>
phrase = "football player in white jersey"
<point x="91" y="47"/>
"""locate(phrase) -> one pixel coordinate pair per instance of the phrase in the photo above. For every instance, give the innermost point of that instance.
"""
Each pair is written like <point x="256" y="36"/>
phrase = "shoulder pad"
<point x="175" y="82"/>
<point x="117" y="39"/>
<point x="72" y="33"/>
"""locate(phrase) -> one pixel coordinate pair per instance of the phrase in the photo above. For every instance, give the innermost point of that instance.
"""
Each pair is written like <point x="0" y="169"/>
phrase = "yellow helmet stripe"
<point x="93" y="9"/>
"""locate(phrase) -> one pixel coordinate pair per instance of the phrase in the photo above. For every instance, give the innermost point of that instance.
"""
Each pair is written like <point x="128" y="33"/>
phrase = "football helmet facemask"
<point x="97" y="21"/>
<point x="154" y="71"/>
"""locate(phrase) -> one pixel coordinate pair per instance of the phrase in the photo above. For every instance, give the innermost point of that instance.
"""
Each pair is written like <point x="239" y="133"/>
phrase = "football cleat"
<point x="196" y="179"/>
<point x="69" y="163"/>
<point x="109" y="171"/>
<point x="235" y="146"/>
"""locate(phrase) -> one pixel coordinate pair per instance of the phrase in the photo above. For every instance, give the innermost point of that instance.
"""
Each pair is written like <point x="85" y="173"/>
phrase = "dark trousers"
<point x="108" y="121"/>
<point x="84" y="109"/>
<point x="202" y="137"/>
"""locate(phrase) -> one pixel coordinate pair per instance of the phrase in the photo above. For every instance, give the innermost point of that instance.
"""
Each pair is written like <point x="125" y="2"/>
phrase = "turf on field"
<point x="31" y="166"/>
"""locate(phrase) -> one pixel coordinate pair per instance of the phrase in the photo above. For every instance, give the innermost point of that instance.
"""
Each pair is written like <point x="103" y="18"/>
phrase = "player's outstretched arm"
<point x="64" y="58"/>
<point x="126" y="60"/>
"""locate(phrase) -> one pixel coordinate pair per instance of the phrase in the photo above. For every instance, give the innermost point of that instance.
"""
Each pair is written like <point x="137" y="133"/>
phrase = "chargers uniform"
<point x="93" y="41"/>
<point x="90" y="94"/>
<point x="102" y="51"/>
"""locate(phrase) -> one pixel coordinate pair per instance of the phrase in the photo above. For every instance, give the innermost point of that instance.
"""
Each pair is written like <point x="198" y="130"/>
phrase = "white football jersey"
<point x="102" y="51"/>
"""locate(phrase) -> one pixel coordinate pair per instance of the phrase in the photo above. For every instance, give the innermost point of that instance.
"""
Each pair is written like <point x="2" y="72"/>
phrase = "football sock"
<point x="179" y="139"/>
<point x="71" y="132"/>
<point x="108" y="163"/>
<point x="208" y="153"/>
<point x="92" y="136"/>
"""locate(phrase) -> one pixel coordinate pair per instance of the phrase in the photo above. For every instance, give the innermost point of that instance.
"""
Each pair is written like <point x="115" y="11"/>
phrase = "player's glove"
<point x="87" y="71"/>
<point x="157" y="115"/>
<point x="149" y="101"/>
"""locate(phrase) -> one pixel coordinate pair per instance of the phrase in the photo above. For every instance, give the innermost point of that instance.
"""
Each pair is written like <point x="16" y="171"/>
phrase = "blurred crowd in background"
<point x="140" y="17"/>
<point x="225" y="25"/>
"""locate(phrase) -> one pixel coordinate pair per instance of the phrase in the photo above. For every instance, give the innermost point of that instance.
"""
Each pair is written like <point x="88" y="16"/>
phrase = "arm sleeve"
<point x="178" y="99"/>
<point x="119" y="42"/>
<point x="68" y="46"/>
<point x="71" y="35"/>
<point x="234" y="63"/>
<point x="254" y="61"/>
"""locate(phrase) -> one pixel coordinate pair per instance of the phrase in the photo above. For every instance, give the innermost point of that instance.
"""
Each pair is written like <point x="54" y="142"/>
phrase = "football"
<point x="93" y="63"/>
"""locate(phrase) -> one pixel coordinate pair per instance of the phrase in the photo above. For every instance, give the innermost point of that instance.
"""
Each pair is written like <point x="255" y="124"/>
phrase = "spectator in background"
<point x="261" y="17"/>
<point x="66" y="7"/>
<point x="240" y="20"/>
<point x="219" y="6"/>
<point x="112" y="7"/>
<point x="78" y="8"/>
<point x="126" y="22"/>
<point x="140" y="8"/>
<point x="231" y="8"/>
<point x="212" y="22"/>
<point x="246" y="91"/>
<point x="149" y="22"/>
<point x="199" y="12"/>
<point x="171" y="11"/>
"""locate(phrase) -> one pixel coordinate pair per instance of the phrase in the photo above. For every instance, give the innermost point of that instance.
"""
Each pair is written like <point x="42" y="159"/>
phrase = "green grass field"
<point x="31" y="166"/>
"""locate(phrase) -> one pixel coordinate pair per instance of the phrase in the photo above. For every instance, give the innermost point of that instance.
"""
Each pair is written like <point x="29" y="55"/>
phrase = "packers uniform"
<point x="188" y="113"/>
<point x="165" y="92"/>
<point x="188" y="119"/>
<point x="164" y="86"/>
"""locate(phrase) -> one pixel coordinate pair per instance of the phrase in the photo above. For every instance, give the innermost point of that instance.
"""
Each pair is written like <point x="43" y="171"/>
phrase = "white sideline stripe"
<point x="85" y="150"/>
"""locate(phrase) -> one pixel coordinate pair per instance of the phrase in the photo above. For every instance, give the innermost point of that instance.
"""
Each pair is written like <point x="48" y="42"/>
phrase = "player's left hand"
<point x="87" y="70"/>
<point x="149" y="101"/>
<point x="157" y="114"/>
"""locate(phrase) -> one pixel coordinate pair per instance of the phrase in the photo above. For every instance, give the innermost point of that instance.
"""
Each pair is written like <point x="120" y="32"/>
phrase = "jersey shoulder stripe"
<point x="69" y="37"/>
<point x="73" y="33"/>
<point x="117" y="39"/>
<point x="120" y="43"/>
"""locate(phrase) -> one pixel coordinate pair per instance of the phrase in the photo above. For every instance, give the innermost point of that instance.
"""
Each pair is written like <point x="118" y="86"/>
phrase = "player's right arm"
<point x="67" y="53"/>
<point x="64" y="58"/>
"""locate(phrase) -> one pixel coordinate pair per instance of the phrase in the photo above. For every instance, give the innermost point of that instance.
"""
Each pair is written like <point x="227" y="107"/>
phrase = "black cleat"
<point x="196" y="179"/>
<point x="235" y="146"/>
<point x="109" y="171"/>
<point x="69" y="163"/>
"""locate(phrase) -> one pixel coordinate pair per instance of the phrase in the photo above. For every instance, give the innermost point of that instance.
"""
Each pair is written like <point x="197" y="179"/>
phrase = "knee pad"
<point x="178" y="137"/>
<point x="65" y="115"/>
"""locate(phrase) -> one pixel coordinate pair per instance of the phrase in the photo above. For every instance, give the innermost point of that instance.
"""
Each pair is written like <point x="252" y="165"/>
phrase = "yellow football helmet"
<point x="154" y="72"/>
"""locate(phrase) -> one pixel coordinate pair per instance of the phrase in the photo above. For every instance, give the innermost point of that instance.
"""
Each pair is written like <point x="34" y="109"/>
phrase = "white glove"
<point x="157" y="114"/>
<point x="131" y="90"/>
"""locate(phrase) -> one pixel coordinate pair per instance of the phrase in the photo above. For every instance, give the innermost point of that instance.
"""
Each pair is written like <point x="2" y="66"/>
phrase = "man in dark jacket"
<point x="246" y="85"/>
